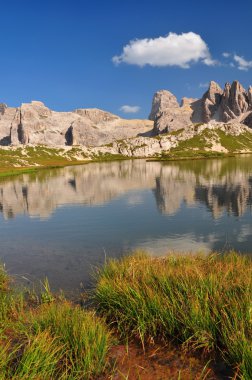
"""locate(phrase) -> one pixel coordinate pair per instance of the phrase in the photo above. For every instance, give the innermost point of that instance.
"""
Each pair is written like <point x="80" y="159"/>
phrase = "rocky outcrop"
<point x="162" y="100"/>
<point x="2" y="108"/>
<point x="232" y="103"/>
<point x="172" y="120"/>
<point x="208" y="134"/>
<point x="250" y="97"/>
<point x="248" y="120"/>
<point x="34" y="123"/>
<point x="167" y="114"/>
<point x="210" y="102"/>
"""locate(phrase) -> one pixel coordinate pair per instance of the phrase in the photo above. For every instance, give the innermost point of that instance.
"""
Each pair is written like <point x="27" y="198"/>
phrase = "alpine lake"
<point x="63" y="223"/>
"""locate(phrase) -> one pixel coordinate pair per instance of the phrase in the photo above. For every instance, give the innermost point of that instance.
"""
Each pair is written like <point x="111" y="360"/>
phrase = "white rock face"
<point x="34" y="123"/>
<point x="172" y="119"/>
<point x="162" y="100"/>
<point x="167" y="114"/>
<point x="234" y="102"/>
<point x="145" y="147"/>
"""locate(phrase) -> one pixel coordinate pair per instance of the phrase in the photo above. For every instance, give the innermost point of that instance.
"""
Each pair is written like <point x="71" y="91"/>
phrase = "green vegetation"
<point x="177" y="132"/>
<point x="108" y="157"/>
<point x="201" y="145"/>
<point x="30" y="159"/>
<point x="45" y="338"/>
<point x="235" y="143"/>
<point x="174" y="155"/>
<point x="196" y="126"/>
<point x="204" y="302"/>
<point x="172" y="133"/>
<point x="196" y="147"/>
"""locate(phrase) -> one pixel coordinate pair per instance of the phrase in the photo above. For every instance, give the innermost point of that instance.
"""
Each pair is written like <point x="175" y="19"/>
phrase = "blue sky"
<point x="61" y="52"/>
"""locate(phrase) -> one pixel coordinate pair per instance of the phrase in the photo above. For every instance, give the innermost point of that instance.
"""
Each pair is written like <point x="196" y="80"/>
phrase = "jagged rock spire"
<point x="162" y="100"/>
<point x="211" y="101"/>
<point x="234" y="102"/>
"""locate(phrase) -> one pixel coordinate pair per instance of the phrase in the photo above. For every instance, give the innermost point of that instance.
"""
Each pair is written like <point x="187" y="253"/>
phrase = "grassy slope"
<point x="32" y="158"/>
<point x="15" y="161"/>
<point x="202" y="302"/>
<point x="199" y="146"/>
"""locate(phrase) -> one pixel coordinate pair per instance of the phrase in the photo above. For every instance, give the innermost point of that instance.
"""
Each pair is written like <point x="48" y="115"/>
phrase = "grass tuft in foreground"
<point x="51" y="339"/>
<point x="205" y="302"/>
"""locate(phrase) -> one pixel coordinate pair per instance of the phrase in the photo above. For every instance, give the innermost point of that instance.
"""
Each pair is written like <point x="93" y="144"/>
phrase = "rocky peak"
<point x="187" y="103"/>
<point x="227" y="90"/>
<point x="234" y="102"/>
<point x="2" y="108"/>
<point x="34" y="110"/>
<point x="167" y="114"/>
<point x="162" y="100"/>
<point x="211" y="101"/>
<point x="214" y="92"/>
<point x="96" y="115"/>
<point x="34" y="123"/>
<point x="231" y="103"/>
<point x="238" y="98"/>
<point x="37" y="103"/>
<point x="250" y="97"/>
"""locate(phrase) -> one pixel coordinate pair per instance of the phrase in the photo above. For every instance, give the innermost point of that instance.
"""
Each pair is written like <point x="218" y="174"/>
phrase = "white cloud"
<point x="242" y="63"/>
<point x="130" y="109"/>
<point x="172" y="50"/>
<point x="226" y="55"/>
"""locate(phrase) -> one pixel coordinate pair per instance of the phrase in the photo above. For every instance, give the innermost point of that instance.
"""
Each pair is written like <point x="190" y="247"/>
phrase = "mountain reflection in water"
<point x="59" y="222"/>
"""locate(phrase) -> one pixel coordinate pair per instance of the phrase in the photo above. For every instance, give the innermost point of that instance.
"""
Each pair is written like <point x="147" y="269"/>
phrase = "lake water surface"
<point x="60" y="223"/>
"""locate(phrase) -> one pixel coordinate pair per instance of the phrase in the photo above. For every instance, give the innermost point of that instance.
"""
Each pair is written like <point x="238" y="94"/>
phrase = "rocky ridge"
<point x="233" y="103"/>
<point x="212" y="137"/>
<point x="209" y="136"/>
<point x="34" y="123"/>
<point x="195" y="125"/>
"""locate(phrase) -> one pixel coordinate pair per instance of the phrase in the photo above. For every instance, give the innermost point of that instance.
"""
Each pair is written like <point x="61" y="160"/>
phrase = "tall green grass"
<point x="205" y="302"/>
<point x="84" y="337"/>
<point x="49" y="339"/>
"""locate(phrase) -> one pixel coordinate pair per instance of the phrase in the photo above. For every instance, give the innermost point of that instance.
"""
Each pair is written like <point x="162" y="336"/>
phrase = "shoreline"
<point x="147" y="316"/>
<point x="10" y="171"/>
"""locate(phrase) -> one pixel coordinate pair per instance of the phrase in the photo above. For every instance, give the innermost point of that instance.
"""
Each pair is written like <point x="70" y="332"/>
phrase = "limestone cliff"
<point x="34" y="123"/>
<point x="231" y="103"/>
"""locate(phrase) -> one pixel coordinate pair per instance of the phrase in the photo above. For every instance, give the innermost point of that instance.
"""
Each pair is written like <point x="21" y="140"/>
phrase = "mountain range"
<point x="233" y="103"/>
<point x="204" y="123"/>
